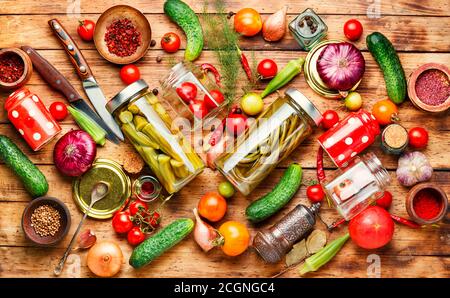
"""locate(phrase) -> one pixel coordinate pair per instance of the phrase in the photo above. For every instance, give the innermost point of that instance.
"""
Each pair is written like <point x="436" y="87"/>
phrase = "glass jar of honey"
<point x="270" y="139"/>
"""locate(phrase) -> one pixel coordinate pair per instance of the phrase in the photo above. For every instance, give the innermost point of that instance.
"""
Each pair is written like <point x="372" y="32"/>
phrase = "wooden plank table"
<point x="418" y="29"/>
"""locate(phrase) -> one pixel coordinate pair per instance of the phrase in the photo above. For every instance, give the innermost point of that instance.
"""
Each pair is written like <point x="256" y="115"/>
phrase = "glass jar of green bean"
<point x="267" y="141"/>
<point x="148" y="126"/>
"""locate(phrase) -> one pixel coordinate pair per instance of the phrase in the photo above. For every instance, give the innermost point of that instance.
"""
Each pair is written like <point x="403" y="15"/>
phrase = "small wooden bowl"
<point x="29" y="230"/>
<point x="27" y="71"/>
<point x="412" y="88"/>
<point x="412" y="195"/>
<point x="121" y="12"/>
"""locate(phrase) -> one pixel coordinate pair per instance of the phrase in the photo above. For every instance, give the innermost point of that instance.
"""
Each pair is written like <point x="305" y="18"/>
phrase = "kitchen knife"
<point x="90" y="85"/>
<point x="59" y="82"/>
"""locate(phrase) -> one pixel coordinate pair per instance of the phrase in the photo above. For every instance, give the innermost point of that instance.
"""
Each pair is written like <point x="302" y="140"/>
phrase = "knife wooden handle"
<point x="71" y="48"/>
<point x="51" y="75"/>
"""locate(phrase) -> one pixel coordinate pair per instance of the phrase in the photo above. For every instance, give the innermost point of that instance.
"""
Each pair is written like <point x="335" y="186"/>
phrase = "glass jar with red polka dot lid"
<point x="355" y="187"/>
<point x="31" y="118"/>
<point x="349" y="137"/>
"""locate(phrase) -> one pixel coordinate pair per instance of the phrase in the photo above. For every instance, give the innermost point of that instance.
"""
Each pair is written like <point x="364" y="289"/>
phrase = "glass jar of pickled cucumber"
<point x="267" y="141"/>
<point x="148" y="126"/>
<point x="190" y="92"/>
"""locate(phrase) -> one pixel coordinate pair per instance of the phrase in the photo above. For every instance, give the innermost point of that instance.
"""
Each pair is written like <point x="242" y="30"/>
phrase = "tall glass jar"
<point x="148" y="126"/>
<point x="355" y="187"/>
<point x="192" y="94"/>
<point x="270" y="139"/>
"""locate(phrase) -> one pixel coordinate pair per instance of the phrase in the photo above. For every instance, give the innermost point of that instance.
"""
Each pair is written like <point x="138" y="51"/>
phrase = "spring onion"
<point x="323" y="256"/>
<point x="88" y="125"/>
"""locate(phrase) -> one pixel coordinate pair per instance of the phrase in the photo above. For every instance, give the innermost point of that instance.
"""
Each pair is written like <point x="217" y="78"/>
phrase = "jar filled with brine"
<point x="189" y="91"/>
<point x="148" y="126"/>
<point x="354" y="188"/>
<point x="269" y="140"/>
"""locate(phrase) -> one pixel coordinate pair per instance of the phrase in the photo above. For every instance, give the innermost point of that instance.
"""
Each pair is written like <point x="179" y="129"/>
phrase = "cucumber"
<point x="162" y="241"/>
<point x="282" y="193"/>
<point x="181" y="14"/>
<point x="385" y="55"/>
<point x="33" y="179"/>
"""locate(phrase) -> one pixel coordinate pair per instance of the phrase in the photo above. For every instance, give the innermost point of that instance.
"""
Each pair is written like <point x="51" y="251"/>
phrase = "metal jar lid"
<point x="312" y="75"/>
<point x="120" y="188"/>
<point x="126" y="95"/>
<point x="305" y="104"/>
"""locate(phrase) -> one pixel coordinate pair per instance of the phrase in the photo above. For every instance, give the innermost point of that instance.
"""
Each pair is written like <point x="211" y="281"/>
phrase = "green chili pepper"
<point x="323" y="256"/>
<point x="88" y="125"/>
<point x="293" y="68"/>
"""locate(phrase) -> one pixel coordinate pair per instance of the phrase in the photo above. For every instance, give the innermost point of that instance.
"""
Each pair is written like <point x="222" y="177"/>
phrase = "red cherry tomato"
<point x="236" y="123"/>
<point x="418" y="137"/>
<point x="385" y="201"/>
<point x="130" y="74"/>
<point x="136" y="206"/>
<point x="187" y="91"/>
<point x="372" y="228"/>
<point x="135" y="236"/>
<point x="330" y="118"/>
<point x="217" y="96"/>
<point x="121" y="222"/>
<point x="353" y="29"/>
<point x="198" y="108"/>
<point x="267" y="68"/>
<point x="154" y="219"/>
<point x="86" y="29"/>
<point x="58" y="110"/>
<point x="315" y="193"/>
<point x="170" y="42"/>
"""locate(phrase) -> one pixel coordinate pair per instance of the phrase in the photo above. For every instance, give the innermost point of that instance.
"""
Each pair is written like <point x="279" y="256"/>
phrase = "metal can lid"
<point x="312" y="75"/>
<point x="108" y="171"/>
<point x="126" y="94"/>
<point x="305" y="104"/>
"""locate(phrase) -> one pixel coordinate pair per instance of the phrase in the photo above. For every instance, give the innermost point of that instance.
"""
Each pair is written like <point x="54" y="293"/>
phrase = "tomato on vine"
<point x="315" y="193"/>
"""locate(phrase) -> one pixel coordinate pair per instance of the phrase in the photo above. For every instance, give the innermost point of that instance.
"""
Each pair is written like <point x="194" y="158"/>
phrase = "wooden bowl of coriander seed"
<point x="46" y="221"/>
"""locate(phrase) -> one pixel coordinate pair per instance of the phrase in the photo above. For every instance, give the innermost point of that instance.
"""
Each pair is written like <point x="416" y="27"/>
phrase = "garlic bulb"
<point x="413" y="167"/>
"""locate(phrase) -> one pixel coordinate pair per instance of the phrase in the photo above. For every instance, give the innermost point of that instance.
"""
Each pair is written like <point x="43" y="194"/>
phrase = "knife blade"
<point x="90" y="85"/>
<point x="59" y="82"/>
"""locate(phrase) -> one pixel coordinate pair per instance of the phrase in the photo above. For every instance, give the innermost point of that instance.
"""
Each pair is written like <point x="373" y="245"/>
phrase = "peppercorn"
<point x="158" y="59"/>
<point x="230" y="14"/>
<point x="152" y="43"/>
<point x="155" y="91"/>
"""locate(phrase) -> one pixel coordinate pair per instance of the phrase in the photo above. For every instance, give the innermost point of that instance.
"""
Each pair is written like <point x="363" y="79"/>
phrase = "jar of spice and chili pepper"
<point x="15" y="68"/>
<point x="31" y="118"/>
<point x="350" y="137"/>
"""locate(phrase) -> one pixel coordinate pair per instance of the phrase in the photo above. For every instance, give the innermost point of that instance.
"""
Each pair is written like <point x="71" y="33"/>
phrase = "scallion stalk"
<point x="88" y="125"/>
<point x="323" y="256"/>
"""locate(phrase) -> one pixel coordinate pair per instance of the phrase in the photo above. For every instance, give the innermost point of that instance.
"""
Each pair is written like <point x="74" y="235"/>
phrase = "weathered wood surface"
<point x="418" y="29"/>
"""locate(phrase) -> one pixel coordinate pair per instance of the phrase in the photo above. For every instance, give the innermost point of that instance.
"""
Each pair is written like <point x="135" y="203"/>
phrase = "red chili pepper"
<point x="207" y="67"/>
<point x="336" y="224"/>
<point x="245" y="65"/>
<point x="319" y="165"/>
<point x="405" y="221"/>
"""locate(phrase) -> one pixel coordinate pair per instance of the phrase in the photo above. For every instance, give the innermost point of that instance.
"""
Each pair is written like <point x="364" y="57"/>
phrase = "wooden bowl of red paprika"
<point x="15" y="68"/>
<point x="122" y="34"/>
<point x="426" y="203"/>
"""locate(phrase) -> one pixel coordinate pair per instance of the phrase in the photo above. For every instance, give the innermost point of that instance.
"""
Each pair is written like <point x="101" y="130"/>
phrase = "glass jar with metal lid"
<point x="191" y="92"/>
<point x="312" y="76"/>
<point x="355" y="187"/>
<point x="267" y="141"/>
<point x="149" y="127"/>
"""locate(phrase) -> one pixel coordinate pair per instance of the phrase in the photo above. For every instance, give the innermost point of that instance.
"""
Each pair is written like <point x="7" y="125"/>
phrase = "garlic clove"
<point x="86" y="239"/>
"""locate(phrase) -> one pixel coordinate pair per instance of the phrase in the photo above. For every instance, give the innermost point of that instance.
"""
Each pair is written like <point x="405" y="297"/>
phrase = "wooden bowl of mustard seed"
<point x="46" y="221"/>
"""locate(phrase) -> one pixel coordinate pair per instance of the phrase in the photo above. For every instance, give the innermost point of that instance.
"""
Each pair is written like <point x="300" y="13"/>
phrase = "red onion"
<point x="74" y="153"/>
<point x="340" y="66"/>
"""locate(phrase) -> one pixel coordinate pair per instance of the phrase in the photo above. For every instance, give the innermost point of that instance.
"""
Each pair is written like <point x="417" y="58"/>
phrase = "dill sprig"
<point x="221" y="38"/>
